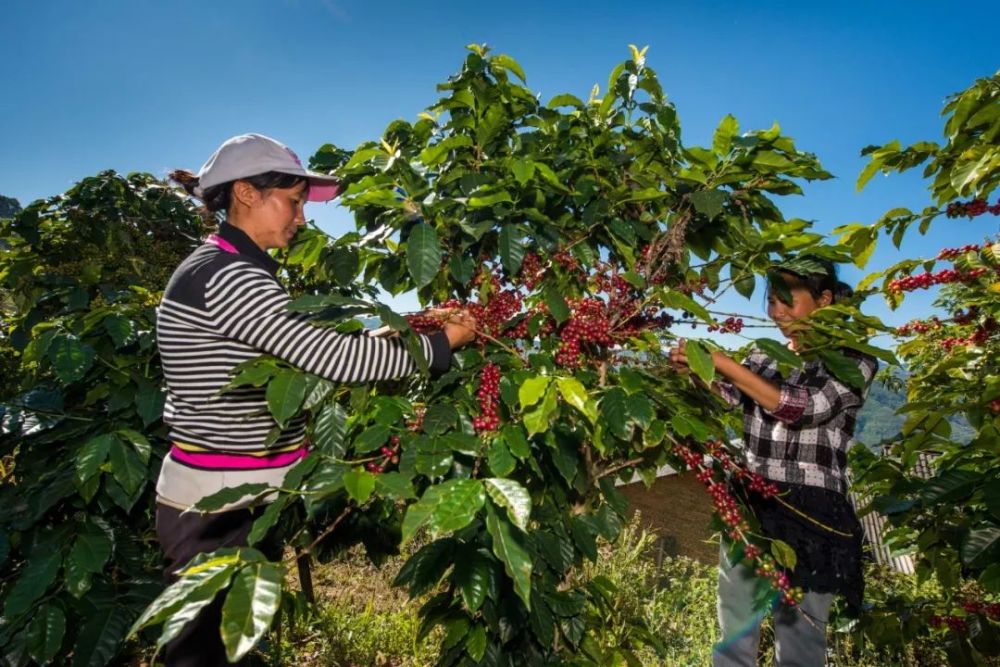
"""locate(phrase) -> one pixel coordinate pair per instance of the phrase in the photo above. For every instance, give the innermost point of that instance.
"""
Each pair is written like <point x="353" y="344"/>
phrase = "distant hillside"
<point x="878" y="419"/>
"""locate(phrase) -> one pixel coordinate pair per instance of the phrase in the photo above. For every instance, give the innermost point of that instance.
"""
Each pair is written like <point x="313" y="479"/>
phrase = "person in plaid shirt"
<point x="797" y="431"/>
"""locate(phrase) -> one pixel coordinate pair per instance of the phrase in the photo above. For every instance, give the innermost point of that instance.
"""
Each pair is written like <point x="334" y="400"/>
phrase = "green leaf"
<point x="505" y="61"/>
<point x="949" y="486"/>
<point x="101" y="637"/>
<point x="250" y="607"/>
<point x="228" y="496"/>
<point x="532" y="390"/>
<point x="266" y="521"/>
<point x="439" y="418"/>
<point x="459" y="500"/>
<point x="127" y="467"/>
<point x="395" y="485"/>
<point x="511" y="249"/>
<point x="119" y="328"/>
<point x="523" y="170"/>
<point x="70" y="358"/>
<point x="574" y="393"/>
<point x="516" y="441"/>
<point x="92" y="455"/>
<point x="472" y="577"/>
<point x="149" y="403"/>
<point x="423" y="254"/>
<point x="709" y="203"/>
<point x="779" y="352"/>
<point x="462" y="268"/>
<point x="680" y="301"/>
<point x="615" y="414"/>
<point x="499" y="459"/>
<point x="200" y="581"/>
<point x="700" y="360"/>
<point x="419" y="512"/>
<point x="35" y="579"/>
<point x="511" y="496"/>
<point x="844" y="368"/>
<point x="556" y="304"/>
<point x="783" y="554"/>
<point x="139" y="442"/>
<point x="509" y="546"/>
<point x="359" y="484"/>
<point x="980" y="546"/>
<point x="285" y="394"/>
<point x="539" y="420"/>
<point x="371" y="439"/>
<point x="329" y="430"/>
<point x="475" y="643"/>
<point x="46" y="632"/>
<point x="991" y="496"/>
<point x="345" y="264"/>
<point x="722" y="140"/>
<point x="990" y="578"/>
<point x="91" y="549"/>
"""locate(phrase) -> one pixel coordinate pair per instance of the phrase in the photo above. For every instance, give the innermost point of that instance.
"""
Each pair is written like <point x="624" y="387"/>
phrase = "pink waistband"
<point x="237" y="461"/>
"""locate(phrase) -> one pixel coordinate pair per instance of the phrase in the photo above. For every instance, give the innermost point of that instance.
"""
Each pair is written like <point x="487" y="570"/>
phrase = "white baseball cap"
<point x="252" y="154"/>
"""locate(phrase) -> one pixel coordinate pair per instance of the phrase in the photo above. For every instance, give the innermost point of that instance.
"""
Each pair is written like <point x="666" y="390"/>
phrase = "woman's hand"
<point x="459" y="326"/>
<point x="678" y="357"/>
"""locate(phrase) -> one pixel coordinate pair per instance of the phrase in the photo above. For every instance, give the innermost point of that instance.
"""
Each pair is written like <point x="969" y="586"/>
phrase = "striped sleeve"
<point x="248" y="305"/>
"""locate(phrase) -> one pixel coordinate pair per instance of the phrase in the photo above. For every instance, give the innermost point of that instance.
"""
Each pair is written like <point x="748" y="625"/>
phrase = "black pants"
<point x="182" y="537"/>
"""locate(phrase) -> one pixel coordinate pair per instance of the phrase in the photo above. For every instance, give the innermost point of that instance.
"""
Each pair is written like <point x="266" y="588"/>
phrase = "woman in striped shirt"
<point x="797" y="431"/>
<point x="224" y="305"/>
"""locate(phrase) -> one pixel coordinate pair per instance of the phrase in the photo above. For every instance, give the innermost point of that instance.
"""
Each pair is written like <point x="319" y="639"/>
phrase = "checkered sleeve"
<point x="757" y="363"/>
<point x="817" y="398"/>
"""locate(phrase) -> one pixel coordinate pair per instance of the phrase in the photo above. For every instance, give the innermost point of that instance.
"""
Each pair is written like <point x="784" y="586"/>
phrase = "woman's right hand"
<point x="678" y="357"/>
<point x="459" y="327"/>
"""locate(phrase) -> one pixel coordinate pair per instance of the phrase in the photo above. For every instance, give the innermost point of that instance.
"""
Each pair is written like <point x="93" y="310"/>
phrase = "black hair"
<point x="814" y="274"/>
<point x="218" y="197"/>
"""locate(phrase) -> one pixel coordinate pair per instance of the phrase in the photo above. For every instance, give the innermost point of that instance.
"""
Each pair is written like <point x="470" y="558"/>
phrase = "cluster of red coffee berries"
<point x="995" y="405"/>
<point x="390" y="455"/>
<point x="566" y="260"/>
<point x="731" y="325"/>
<point x="966" y="316"/>
<point x="989" y="609"/>
<point x="925" y="280"/>
<point x="489" y="392"/>
<point x="918" y="327"/>
<point x="977" y="338"/>
<point x="531" y="271"/>
<point x="952" y="253"/>
<point x="588" y="323"/>
<point x="730" y="512"/>
<point x="971" y="209"/>
<point x="954" y="623"/>
<point x="424" y="323"/>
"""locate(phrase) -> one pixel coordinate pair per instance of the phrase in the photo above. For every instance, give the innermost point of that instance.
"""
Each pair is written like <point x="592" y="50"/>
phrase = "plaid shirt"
<point x="805" y="439"/>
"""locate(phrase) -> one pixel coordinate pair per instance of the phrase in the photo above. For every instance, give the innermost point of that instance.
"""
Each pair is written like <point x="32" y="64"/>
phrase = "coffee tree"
<point x="949" y="521"/>
<point x="80" y="430"/>
<point x="579" y="233"/>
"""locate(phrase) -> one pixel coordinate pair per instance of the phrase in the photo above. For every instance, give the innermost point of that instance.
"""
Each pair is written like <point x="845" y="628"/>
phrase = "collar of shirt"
<point x="246" y="247"/>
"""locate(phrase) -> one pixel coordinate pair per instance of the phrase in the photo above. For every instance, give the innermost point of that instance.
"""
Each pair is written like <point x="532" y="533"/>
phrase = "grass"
<point x="361" y="620"/>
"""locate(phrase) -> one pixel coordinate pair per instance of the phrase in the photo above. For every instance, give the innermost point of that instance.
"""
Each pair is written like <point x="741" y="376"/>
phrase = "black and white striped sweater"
<point x="223" y="306"/>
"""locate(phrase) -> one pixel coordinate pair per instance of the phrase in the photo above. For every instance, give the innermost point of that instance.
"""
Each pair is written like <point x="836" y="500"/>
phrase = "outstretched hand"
<point x="459" y="325"/>
<point x="678" y="357"/>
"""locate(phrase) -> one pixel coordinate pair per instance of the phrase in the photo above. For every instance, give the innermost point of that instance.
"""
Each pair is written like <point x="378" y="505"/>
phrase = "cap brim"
<point x="322" y="187"/>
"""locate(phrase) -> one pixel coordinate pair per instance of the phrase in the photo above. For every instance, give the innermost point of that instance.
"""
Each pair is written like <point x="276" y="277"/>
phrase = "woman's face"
<point x="787" y="315"/>
<point x="280" y="215"/>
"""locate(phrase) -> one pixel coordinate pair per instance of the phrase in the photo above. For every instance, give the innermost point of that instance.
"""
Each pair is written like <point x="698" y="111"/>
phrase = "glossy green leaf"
<point x="783" y="554"/>
<point x="330" y="429"/>
<point x="439" y="418"/>
<point x="71" y="359"/>
<point x="574" y="393"/>
<point x="101" y="637"/>
<point x="779" y="352"/>
<point x="423" y="254"/>
<point x="614" y="413"/>
<point x="532" y="390"/>
<point x="844" y="368"/>
<point x="285" y="394"/>
<point x="38" y="574"/>
<point x="459" y="500"/>
<point x="250" y="607"/>
<point x="981" y="546"/>
<point x="556" y="304"/>
<point x="511" y="249"/>
<point x="126" y="466"/>
<point x="371" y="439"/>
<point x="91" y="549"/>
<point x="700" y="360"/>
<point x="511" y="496"/>
<point x="359" y="484"/>
<point x="92" y="455"/>
<point x="510" y="547"/>
<point x="46" y="632"/>
<point x="471" y="576"/>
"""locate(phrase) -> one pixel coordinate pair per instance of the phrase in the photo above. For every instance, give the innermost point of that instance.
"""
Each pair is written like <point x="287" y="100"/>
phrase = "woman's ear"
<point x="825" y="299"/>
<point x="245" y="194"/>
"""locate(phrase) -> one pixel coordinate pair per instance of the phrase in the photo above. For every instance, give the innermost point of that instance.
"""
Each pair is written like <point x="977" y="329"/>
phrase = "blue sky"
<point x="143" y="85"/>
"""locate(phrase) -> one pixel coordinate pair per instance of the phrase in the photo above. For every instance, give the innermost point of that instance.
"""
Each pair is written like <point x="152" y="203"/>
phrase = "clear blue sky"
<point x="144" y="85"/>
